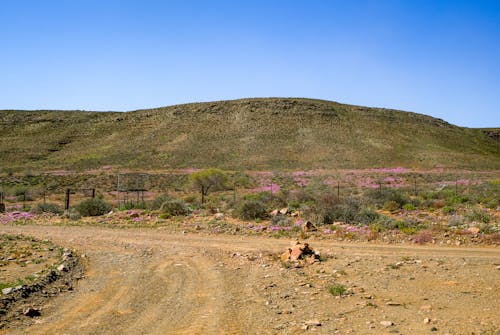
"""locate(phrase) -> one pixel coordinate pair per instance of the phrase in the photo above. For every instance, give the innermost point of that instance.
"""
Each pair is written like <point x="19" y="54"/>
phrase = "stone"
<point x="284" y="211"/>
<point x="31" y="312"/>
<point x="474" y="230"/>
<point x="296" y="252"/>
<point x="386" y="323"/>
<point x="7" y="290"/>
<point x="62" y="267"/>
<point x="275" y="212"/>
<point x="393" y="303"/>
<point x="309" y="226"/>
<point x="285" y="257"/>
<point x="427" y="320"/>
<point x="295" y="214"/>
<point x="426" y="308"/>
<point x="312" y="323"/>
<point x="219" y="216"/>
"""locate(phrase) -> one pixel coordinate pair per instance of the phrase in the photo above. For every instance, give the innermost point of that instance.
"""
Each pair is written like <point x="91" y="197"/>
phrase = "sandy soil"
<point x="153" y="281"/>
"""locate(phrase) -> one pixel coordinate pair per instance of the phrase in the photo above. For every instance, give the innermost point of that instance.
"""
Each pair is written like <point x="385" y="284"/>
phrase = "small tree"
<point x="208" y="180"/>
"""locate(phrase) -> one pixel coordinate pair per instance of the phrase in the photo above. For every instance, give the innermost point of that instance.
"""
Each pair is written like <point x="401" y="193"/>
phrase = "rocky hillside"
<point x="263" y="134"/>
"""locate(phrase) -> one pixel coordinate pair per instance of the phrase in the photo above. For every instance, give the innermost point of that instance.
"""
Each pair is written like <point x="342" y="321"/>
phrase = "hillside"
<point x="273" y="133"/>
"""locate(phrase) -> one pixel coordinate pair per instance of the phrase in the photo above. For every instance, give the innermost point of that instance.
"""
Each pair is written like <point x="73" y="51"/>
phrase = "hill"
<point x="263" y="134"/>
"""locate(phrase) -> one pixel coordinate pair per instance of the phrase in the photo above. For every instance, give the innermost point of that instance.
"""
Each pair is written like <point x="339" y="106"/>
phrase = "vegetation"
<point x="93" y="207"/>
<point x="337" y="290"/>
<point x="252" y="209"/>
<point x="174" y="207"/>
<point x="47" y="207"/>
<point x="208" y="180"/>
<point x="248" y="134"/>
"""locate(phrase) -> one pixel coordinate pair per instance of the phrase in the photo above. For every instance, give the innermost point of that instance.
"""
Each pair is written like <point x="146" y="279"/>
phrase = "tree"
<point x="208" y="180"/>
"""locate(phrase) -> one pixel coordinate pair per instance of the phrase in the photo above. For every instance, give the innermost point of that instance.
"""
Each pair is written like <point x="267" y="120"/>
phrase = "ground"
<point x="162" y="281"/>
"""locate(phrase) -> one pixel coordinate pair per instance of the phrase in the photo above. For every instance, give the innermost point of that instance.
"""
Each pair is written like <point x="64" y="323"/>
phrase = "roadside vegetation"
<point x="391" y="205"/>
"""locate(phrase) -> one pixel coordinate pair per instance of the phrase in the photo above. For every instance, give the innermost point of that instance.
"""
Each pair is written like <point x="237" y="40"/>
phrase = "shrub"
<point x="380" y="196"/>
<point x="423" y="237"/>
<point x="478" y="215"/>
<point x="456" y="221"/>
<point x="282" y="220"/>
<point x="251" y="210"/>
<point x="46" y="208"/>
<point x="391" y="206"/>
<point x="72" y="214"/>
<point x="409" y="207"/>
<point x="158" y="201"/>
<point x="93" y="207"/>
<point x="337" y="289"/>
<point x="449" y="210"/>
<point x="174" y="207"/>
<point x="23" y="193"/>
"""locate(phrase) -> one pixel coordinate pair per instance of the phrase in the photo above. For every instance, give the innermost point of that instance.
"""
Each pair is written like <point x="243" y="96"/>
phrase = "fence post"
<point x="66" y="203"/>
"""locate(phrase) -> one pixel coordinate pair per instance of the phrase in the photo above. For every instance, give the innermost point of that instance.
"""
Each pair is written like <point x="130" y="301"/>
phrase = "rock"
<point x="296" y="252"/>
<point x="31" y="312"/>
<point x="295" y="214"/>
<point x="393" y="303"/>
<point x="62" y="267"/>
<point x="474" y="230"/>
<point x="312" y="323"/>
<point x="219" y="216"/>
<point x="284" y="211"/>
<point x="311" y="260"/>
<point x="275" y="212"/>
<point x="309" y="226"/>
<point x="427" y="320"/>
<point x="426" y="308"/>
<point x="498" y="267"/>
<point x="7" y="290"/>
<point x="386" y="323"/>
<point x="285" y="257"/>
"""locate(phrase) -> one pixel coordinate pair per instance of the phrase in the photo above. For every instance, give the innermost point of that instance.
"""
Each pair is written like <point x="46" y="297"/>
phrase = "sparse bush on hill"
<point x="380" y="196"/>
<point x="93" y="207"/>
<point x="477" y="214"/>
<point x="252" y="209"/>
<point x="174" y="207"/>
<point x="46" y="208"/>
<point x="208" y="181"/>
<point x="159" y="200"/>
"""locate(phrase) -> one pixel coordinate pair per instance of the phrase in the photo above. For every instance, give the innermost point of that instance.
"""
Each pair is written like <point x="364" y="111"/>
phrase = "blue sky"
<point x="440" y="58"/>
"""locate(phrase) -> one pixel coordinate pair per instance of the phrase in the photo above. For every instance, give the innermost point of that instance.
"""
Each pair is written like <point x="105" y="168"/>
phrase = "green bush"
<point x="391" y="206"/>
<point x="337" y="289"/>
<point x="46" y="208"/>
<point x="409" y="207"/>
<point x="449" y="210"/>
<point x="478" y="214"/>
<point x="93" y="207"/>
<point x="158" y="201"/>
<point x="251" y="210"/>
<point x="379" y="197"/>
<point x="174" y="207"/>
<point x="72" y="214"/>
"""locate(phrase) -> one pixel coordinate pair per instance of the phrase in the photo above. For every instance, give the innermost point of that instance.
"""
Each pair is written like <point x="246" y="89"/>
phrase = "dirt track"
<point x="158" y="282"/>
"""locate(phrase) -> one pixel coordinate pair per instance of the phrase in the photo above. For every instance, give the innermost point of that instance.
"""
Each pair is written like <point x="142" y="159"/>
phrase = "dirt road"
<point x="152" y="281"/>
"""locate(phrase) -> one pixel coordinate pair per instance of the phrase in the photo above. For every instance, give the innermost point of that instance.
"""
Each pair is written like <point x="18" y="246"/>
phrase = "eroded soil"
<point x="154" y="281"/>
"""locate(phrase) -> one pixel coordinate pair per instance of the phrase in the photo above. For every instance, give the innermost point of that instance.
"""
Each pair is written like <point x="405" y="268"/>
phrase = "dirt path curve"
<point x="145" y="281"/>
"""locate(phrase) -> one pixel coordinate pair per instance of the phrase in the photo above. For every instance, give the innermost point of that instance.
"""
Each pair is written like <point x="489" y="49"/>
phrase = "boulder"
<point x="284" y="211"/>
<point x="309" y="226"/>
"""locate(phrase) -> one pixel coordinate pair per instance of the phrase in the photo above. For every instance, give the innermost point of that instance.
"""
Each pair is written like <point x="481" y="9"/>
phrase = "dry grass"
<point x="256" y="134"/>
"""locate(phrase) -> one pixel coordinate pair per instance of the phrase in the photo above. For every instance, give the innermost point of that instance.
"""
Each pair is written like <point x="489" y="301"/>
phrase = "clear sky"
<point x="440" y="58"/>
